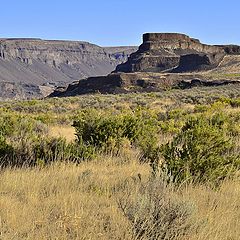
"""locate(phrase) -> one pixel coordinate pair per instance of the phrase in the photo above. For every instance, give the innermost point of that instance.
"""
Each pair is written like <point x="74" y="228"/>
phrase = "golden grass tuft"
<point x="67" y="201"/>
<point x="62" y="131"/>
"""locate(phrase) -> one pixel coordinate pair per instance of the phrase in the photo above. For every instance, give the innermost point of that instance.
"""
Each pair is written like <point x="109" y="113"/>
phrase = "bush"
<point x="155" y="213"/>
<point x="201" y="152"/>
<point x="5" y="149"/>
<point x="42" y="152"/>
<point x="24" y="141"/>
<point x="109" y="131"/>
<point x="57" y="149"/>
<point x="233" y="102"/>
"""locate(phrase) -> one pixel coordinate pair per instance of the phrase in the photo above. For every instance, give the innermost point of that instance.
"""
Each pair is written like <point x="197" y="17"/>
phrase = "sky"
<point x="120" y="22"/>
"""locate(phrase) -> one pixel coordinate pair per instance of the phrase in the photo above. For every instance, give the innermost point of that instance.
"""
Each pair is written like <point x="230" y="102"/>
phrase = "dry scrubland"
<point x="82" y="202"/>
<point x="125" y="186"/>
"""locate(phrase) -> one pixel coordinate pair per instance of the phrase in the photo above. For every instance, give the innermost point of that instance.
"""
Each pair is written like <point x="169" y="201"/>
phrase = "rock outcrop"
<point x="117" y="83"/>
<point x="198" y="62"/>
<point x="36" y="63"/>
<point x="19" y="91"/>
<point x="165" y="61"/>
<point x="33" y="68"/>
<point x="167" y="51"/>
<point x="204" y="83"/>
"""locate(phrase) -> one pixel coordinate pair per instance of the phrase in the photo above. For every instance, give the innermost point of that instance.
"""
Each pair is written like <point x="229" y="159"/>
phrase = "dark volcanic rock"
<point x="165" y="51"/>
<point x="231" y="49"/>
<point x="203" y="83"/>
<point x="198" y="62"/>
<point x="113" y="83"/>
<point x="160" y="63"/>
<point x="136" y="82"/>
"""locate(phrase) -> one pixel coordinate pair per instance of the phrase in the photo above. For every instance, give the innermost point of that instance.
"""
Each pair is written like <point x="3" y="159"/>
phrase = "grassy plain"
<point x="116" y="196"/>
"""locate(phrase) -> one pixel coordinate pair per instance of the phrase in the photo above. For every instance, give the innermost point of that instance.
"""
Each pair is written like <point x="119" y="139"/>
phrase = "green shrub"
<point x="5" y="149"/>
<point x="171" y="126"/>
<point x="233" y="102"/>
<point x="201" y="152"/>
<point x="109" y="130"/>
<point x="24" y="141"/>
<point x="7" y="124"/>
<point x="43" y="152"/>
<point x="57" y="149"/>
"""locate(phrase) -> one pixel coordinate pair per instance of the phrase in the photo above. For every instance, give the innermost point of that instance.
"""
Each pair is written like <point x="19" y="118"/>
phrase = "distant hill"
<point x="34" y="67"/>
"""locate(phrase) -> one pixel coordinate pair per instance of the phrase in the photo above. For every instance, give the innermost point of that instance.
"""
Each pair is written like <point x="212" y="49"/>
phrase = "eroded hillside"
<point x="26" y="65"/>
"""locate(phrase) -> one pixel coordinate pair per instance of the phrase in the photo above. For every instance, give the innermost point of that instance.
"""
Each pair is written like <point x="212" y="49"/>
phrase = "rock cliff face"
<point x="163" y="61"/>
<point x="116" y="83"/>
<point x="166" y="51"/>
<point x="198" y="62"/>
<point x="33" y="68"/>
<point x="36" y="62"/>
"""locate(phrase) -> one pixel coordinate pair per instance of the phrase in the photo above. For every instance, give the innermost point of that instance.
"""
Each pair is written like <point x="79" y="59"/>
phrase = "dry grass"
<point x="65" y="201"/>
<point x="62" y="131"/>
<point x="218" y="210"/>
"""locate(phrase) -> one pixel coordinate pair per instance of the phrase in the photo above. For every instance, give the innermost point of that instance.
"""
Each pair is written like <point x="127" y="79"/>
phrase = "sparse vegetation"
<point x="136" y="166"/>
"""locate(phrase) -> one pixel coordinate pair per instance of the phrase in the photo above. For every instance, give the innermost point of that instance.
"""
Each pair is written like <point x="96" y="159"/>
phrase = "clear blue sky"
<point x="120" y="22"/>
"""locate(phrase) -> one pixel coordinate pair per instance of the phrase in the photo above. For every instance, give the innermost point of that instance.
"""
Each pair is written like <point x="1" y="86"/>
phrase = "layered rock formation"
<point x="163" y="61"/>
<point x="116" y="83"/>
<point x="198" y="62"/>
<point x="35" y="63"/>
<point x="33" y="68"/>
<point x="167" y="51"/>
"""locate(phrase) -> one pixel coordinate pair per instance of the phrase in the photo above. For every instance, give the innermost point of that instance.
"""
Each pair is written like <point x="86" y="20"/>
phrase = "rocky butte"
<point x="167" y="51"/>
<point x="164" y="60"/>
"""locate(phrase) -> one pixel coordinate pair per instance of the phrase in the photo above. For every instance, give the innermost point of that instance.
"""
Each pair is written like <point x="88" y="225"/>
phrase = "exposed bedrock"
<point x="36" y="62"/>
<point x="203" y="83"/>
<point x="166" y="51"/>
<point x="165" y="61"/>
<point x="198" y="62"/>
<point x="51" y="61"/>
<point x="137" y="82"/>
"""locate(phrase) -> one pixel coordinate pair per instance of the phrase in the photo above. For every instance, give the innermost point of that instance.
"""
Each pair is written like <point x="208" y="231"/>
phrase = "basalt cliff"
<point x="32" y="68"/>
<point x="175" y="52"/>
<point x="165" y="60"/>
